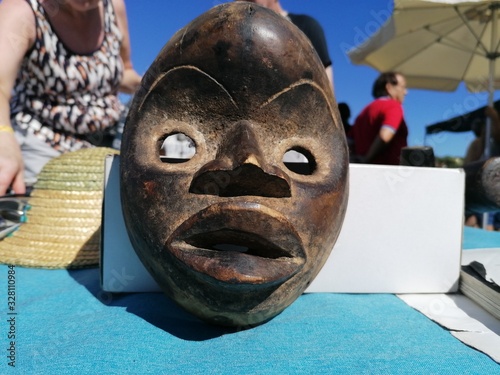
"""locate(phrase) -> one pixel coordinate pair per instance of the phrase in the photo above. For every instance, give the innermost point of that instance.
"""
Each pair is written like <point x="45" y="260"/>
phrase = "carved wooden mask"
<point x="233" y="234"/>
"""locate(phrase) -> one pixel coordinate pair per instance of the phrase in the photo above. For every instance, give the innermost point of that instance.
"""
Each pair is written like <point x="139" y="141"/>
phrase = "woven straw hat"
<point x="62" y="228"/>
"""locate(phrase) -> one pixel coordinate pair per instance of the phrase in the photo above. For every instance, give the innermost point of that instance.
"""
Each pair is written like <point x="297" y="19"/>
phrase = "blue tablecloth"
<point x="477" y="238"/>
<point x="65" y="324"/>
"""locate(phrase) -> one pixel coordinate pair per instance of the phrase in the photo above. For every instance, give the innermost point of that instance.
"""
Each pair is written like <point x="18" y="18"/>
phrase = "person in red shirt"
<point x="380" y="132"/>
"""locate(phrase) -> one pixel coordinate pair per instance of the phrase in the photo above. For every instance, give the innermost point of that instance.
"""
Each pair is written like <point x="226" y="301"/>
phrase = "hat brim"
<point x="62" y="228"/>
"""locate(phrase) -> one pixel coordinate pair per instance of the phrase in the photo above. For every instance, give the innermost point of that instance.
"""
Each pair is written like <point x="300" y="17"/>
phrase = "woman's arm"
<point x="384" y="136"/>
<point x="475" y="150"/>
<point x="17" y="33"/>
<point x="131" y="79"/>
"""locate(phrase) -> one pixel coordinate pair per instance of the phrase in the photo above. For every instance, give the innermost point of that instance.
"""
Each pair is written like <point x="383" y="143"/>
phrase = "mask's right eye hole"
<point x="177" y="148"/>
<point x="300" y="161"/>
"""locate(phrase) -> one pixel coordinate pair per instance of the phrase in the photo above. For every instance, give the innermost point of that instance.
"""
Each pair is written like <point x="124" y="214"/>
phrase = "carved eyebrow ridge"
<point x="300" y="82"/>
<point x="186" y="67"/>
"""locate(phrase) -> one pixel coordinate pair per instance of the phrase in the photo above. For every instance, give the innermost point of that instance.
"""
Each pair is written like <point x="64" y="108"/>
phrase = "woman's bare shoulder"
<point x="14" y="11"/>
<point x="16" y="7"/>
<point x="119" y="6"/>
<point x="17" y="24"/>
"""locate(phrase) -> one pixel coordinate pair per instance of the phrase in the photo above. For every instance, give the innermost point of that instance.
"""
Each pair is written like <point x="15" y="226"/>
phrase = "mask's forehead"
<point x="189" y="94"/>
<point x="251" y="51"/>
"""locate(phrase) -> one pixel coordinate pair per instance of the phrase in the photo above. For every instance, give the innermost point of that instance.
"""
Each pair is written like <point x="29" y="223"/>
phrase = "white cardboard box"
<point x="402" y="234"/>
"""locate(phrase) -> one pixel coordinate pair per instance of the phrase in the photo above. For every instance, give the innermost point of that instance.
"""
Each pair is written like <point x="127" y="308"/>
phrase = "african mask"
<point x="233" y="234"/>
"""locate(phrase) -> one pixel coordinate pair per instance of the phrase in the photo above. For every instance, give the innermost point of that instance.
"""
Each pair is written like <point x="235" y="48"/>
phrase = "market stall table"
<point x="65" y="323"/>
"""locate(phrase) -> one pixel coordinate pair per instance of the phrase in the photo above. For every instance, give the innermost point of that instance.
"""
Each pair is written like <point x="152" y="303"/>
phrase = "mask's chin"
<point x="232" y="303"/>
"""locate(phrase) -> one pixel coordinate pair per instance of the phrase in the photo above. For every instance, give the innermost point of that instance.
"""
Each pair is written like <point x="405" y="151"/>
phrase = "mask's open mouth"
<point x="239" y="244"/>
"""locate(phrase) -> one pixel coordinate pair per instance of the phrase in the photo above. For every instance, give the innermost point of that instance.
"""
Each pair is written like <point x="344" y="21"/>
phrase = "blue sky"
<point x="347" y="23"/>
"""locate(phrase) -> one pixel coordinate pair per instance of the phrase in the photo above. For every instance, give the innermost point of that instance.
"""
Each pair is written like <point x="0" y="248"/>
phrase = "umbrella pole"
<point x="491" y="90"/>
<point x="487" y="135"/>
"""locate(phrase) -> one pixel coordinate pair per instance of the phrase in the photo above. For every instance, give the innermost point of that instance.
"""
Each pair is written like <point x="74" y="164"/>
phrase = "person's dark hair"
<point x="345" y="112"/>
<point x="383" y="79"/>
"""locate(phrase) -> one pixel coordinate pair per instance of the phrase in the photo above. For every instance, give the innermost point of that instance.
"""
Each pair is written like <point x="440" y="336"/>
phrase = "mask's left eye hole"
<point x="177" y="148"/>
<point x="300" y="161"/>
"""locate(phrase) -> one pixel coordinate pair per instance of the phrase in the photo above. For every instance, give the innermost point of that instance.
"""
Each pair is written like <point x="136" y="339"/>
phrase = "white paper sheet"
<point x="465" y="320"/>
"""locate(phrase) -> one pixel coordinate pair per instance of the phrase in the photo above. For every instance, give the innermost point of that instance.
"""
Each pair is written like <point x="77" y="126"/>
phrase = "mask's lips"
<point x="239" y="243"/>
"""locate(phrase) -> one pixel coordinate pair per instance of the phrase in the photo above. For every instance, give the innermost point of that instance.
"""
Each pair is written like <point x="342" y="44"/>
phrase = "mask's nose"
<point x="240" y="169"/>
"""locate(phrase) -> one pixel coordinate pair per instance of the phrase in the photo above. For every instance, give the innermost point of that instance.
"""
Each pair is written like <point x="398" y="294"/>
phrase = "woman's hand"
<point x="11" y="165"/>
<point x="130" y="82"/>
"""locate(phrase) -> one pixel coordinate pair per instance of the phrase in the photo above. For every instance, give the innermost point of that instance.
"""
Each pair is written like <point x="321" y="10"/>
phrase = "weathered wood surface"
<point x="482" y="186"/>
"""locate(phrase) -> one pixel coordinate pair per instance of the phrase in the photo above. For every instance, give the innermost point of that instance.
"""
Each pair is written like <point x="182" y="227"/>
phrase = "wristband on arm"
<point x="6" y="129"/>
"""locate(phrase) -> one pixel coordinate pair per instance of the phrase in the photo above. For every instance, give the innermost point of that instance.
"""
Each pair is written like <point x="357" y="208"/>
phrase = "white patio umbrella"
<point x="437" y="44"/>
